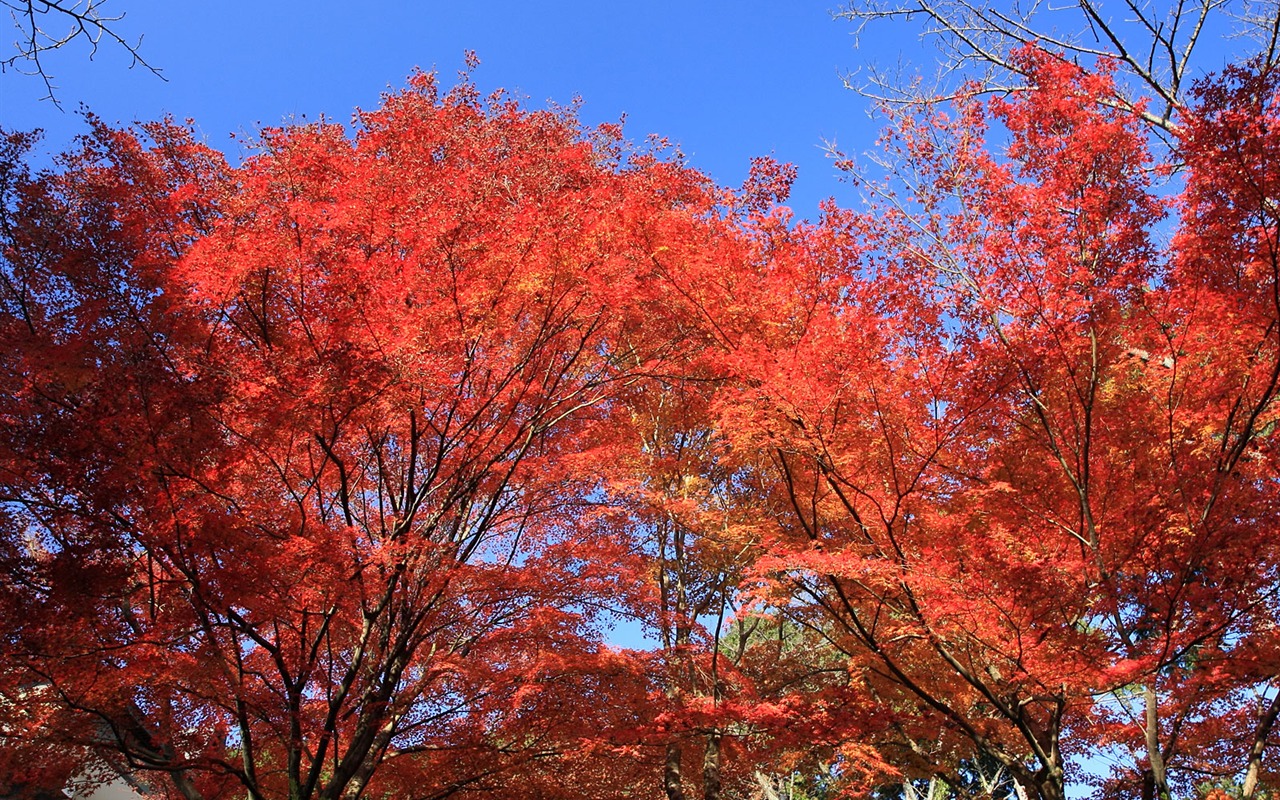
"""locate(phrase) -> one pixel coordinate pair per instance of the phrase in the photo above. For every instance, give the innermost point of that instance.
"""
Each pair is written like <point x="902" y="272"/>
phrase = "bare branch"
<point x="1157" y="49"/>
<point x="47" y="25"/>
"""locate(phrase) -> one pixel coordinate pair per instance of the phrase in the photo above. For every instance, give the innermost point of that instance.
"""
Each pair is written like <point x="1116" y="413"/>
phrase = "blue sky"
<point x="725" y="80"/>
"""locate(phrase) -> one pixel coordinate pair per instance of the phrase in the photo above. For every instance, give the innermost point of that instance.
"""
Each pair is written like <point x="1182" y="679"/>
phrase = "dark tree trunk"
<point x="671" y="773"/>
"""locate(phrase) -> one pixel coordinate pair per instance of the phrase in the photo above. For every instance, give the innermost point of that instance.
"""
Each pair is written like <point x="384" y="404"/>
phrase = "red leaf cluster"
<point x="321" y="475"/>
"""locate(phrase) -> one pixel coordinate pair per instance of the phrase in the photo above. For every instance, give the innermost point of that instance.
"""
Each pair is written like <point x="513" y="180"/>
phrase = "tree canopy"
<point x="323" y="475"/>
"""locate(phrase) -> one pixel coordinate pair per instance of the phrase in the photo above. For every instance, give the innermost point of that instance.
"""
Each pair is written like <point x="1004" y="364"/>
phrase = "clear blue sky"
<point x="725" y="80"/>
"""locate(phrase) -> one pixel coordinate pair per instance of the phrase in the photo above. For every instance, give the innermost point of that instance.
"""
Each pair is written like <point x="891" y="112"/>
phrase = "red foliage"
<point x="317" y="474"/>
<point x="1023" y="441"/>
<point x="297" y="455"/>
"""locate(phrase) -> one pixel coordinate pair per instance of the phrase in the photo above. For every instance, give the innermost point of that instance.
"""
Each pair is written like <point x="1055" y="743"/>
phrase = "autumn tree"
<point x="676" y="494"/>
<point x="735" y="715"/>
<point x="1024" y="479"/>
<point x="296" y="453"/>
<point x="678" y="505"/>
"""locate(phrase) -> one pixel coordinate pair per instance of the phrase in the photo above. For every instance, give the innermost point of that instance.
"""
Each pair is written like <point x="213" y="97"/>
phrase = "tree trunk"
<point x="1154" y="755"/>
<point x="711" y="768"/>
<point x="1260" y="733"/>
<point x="671" y="773"/>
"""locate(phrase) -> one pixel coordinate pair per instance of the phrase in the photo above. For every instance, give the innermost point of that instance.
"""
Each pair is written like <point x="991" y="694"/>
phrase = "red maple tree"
<point x="1023" y="445"/>
<point x="296" y="454"/>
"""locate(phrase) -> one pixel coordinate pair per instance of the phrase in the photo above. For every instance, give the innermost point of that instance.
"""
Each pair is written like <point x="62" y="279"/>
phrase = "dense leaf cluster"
<point x="321" y="475"/>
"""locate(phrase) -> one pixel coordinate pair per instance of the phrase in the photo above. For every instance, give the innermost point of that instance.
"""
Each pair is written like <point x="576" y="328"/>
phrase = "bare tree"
<point x="47" y="25"/>
<point x="1159" y="47"/>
